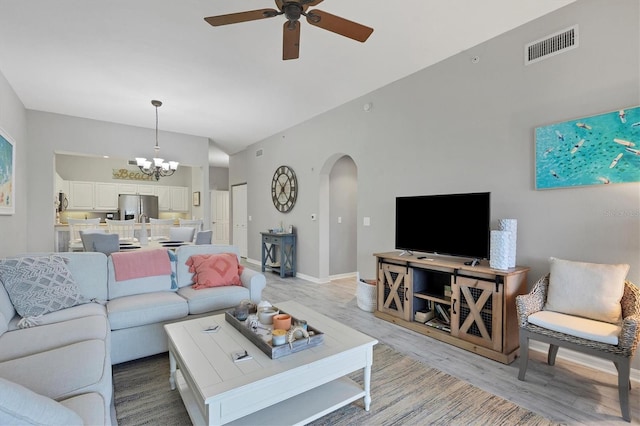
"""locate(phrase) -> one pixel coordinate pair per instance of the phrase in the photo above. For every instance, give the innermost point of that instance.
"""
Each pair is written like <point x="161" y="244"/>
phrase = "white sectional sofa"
<point x="60" y="365"/>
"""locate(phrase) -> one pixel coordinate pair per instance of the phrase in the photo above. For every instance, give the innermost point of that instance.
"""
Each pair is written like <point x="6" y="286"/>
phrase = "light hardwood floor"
<point x="567" y="393"/>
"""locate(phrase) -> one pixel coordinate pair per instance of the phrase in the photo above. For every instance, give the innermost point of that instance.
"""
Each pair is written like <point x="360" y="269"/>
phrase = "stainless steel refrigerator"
<point x="136" y="206"/>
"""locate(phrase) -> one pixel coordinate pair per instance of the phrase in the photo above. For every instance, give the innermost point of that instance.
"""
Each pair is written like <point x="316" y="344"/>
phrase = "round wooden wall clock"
<point x="284" y="189"/>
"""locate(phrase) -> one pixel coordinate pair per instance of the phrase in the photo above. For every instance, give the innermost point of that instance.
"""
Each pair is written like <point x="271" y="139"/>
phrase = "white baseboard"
<point x="298" y="274"/>
<point x="583" y="359"/>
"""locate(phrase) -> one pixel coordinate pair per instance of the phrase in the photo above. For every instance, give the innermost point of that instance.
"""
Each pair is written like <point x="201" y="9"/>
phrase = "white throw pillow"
<point x="21" y="406"/>
<point x="589" y="290"/>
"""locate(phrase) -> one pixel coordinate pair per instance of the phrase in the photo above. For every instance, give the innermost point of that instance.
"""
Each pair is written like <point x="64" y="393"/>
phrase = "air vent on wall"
<point x="551" y="45"/>
<point x="259" y="153"/>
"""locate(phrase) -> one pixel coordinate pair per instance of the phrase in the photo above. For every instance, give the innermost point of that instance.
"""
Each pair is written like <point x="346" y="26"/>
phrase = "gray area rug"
<point x="403" y="391"/>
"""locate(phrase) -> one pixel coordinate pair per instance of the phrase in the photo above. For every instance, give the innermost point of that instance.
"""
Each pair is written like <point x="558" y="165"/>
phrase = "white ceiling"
<point x="106" y="60"/>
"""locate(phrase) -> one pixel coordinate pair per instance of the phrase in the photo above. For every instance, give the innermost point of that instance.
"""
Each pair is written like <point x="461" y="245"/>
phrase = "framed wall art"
<point x="596" y="150"/>
<point x="196" y="198"/>
<point x="7" y="174"/>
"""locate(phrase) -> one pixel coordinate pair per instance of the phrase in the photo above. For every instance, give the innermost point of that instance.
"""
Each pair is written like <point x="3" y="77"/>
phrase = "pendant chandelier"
<point x="158" y="167"/>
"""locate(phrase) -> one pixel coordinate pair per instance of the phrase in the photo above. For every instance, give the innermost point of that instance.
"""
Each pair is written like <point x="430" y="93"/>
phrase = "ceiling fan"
<point x="292" y="10"/>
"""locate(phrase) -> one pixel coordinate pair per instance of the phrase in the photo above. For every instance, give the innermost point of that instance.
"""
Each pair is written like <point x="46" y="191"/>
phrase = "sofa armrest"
<point x="527" y="304"/>
<point x="255" y="282"/>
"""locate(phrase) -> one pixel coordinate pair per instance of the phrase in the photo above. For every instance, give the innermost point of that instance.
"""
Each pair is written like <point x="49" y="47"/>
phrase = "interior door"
<point x="239" y="217"/>
<point x="220" y="216"/>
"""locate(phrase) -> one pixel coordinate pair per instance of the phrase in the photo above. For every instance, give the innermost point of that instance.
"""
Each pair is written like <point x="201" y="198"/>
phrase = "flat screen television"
<point x="449" y="224"/>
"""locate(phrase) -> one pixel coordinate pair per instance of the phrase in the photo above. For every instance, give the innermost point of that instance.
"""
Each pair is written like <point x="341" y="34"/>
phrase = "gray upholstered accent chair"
<point x="204" y="237"/>
<point x="621" y="353"/>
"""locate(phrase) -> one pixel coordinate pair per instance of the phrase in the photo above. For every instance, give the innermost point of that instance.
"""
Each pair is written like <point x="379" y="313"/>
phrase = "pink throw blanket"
<point x="147" y="263"/>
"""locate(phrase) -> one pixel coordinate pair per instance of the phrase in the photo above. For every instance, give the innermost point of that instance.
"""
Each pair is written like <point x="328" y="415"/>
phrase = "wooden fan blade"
<point x="291" y="40"/>
<point x="234" y="18"/>
<point x="306" y="4"/>
<point x="339" y="25"/>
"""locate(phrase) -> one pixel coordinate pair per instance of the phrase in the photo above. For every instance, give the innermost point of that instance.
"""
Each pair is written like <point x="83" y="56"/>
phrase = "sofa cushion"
<point x="4" y="324"/>
<point x="589" y="290"/>
<point x="78" y="311"/>
<point x="215" y="270"/>
<point x="599" y="331"/>
<point x="63" y="372"/>
<point x="213" y="299"/>
<point x="90" y="407"/>
<point x="140" y="285"/>
<point x="21" y="406"/>
<point x="6" y="307"/>
<point x="149" y="308"/>
<point x="16" y="344"/>
<point x="39" y="285"/>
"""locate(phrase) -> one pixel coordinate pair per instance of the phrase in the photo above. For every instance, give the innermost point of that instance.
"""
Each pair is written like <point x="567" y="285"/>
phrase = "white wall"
<point x="49" y="133"/>
<point x="464" y="127"/>
<point x="13" y="120"/>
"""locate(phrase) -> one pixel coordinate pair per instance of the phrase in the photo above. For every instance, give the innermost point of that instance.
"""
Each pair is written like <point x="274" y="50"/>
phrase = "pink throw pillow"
<point x="215" y="270"/>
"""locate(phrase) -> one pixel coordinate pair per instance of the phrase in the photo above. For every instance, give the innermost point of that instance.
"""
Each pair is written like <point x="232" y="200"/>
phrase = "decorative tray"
<point x="262" y="337"/>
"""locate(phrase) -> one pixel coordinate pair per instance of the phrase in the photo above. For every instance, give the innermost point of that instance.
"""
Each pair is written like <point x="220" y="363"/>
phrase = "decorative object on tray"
<point x="278" y="337"/>
<point x="266" y="315"/>
<point x="299" y="336"/>
<point x="281" y="321"/>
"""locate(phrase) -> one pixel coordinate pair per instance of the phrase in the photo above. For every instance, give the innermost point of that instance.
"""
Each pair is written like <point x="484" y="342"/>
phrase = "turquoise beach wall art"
<point x="598" y="150"/>
<point x="7" y="174"/>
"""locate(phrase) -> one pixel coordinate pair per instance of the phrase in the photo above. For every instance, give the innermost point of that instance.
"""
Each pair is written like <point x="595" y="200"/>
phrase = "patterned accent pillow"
<point x="215" y="270"/>
<point x="173" y="259"/>
<point x="39" y="285"/>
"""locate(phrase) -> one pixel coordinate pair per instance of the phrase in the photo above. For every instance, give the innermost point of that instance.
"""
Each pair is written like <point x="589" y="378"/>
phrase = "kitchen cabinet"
<point x="179" y="199"/>
<point x="172" y="198"/>
<point x="105" y="196"/>
<point x="101" y="196"/>
<point x="146" y="190"/>
<point x="81" y="195"/>
<point x="127" y="188"/>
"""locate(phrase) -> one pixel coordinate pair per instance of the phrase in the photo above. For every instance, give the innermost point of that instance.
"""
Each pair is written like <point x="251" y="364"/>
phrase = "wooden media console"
<point x="472" y="307"/>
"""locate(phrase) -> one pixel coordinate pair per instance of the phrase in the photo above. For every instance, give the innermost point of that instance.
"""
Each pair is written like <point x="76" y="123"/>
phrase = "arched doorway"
<point x="338" y="206"/>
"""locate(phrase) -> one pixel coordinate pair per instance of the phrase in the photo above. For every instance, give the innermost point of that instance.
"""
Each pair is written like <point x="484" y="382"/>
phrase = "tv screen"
<point x="450" y="224"/>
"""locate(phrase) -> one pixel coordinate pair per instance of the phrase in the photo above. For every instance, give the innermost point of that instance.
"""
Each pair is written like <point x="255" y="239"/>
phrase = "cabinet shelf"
<point x="434" y="298"/>
<point x="481" y="307"/>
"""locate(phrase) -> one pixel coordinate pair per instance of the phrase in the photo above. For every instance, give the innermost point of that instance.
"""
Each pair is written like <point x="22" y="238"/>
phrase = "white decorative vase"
<point x="500" y="248"/>
<point x="510" y="225"/>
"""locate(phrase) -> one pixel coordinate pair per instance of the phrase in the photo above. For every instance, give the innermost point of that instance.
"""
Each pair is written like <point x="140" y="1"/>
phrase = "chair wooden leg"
<point x="624" y="384"/>
<point x="551" y="356"/>
<point x="524" y="354"/>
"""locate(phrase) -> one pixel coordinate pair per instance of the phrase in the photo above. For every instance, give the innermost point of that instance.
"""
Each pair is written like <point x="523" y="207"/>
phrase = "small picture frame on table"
<point x="196" y="198"/>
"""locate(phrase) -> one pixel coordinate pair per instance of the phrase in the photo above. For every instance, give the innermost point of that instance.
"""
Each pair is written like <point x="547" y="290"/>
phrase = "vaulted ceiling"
<point x="106" y="60"/>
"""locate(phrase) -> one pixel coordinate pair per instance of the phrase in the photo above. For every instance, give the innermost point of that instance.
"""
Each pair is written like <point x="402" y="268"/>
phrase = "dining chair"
<point x="195" y="223"/>
<point x="77" y="225"/>
<point x="182" y="233"/>
<point x="124" y="228"/>
<point x="100" y="242"/>
<point x="204" y="237"/>
<point x="160" y="228"/>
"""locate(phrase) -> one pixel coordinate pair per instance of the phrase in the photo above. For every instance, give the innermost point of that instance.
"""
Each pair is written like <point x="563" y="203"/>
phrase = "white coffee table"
<point x="294" y="389"/>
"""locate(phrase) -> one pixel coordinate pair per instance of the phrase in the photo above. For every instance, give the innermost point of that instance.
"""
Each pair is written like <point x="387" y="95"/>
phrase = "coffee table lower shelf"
<point x="297" y="410"/>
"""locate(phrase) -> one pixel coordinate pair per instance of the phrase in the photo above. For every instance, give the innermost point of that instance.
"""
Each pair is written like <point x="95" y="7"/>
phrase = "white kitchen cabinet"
<point x="146" y="190"/>
<point x="100" y="196"/>
<point x="127" y="188"/>
<point x="164" y="198"/>
<point x="179" y="199"/>
<point x="105" y="196"/>
<point x="172" y="198"/>
<point x="81" y="195"/>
